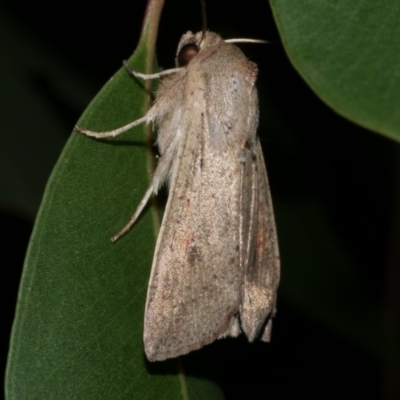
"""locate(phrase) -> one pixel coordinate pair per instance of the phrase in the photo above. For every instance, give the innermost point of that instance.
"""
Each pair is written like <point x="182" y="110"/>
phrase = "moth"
<point x="216" y="267"/>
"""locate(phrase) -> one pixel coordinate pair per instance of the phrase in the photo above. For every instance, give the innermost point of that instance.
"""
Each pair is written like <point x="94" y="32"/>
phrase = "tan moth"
<point x="215" y="271"/>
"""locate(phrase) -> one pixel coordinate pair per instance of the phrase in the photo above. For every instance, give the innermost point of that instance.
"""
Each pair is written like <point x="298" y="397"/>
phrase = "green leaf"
<point x="78" y="328"/>
<point x="347" y="51"/>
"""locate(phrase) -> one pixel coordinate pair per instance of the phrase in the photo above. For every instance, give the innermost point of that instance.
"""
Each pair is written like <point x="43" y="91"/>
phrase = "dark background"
<point x="314" y="157"/>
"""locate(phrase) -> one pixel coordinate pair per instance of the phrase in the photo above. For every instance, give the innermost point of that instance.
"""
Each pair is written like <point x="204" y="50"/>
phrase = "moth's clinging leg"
<point x="150" y="76"/>
<point x="114" y="132"/>
<point x="136" y="214"/>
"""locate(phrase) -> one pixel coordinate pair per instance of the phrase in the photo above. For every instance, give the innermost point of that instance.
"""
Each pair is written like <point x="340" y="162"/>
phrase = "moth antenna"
<point x="204" y="18"/>
<point x="245" y="41"/>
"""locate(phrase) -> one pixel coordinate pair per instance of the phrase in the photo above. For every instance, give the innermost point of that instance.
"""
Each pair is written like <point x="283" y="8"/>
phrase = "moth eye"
<point x="187" y="52"/>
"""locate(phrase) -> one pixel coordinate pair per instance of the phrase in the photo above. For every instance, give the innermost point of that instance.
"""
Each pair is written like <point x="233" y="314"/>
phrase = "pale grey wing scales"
<point x="261" y="272"/>
<point x="217" y="246"/>
<point x="234" y="116"/>
<point x="196" y="261"/>
<point x="267" y="263"/>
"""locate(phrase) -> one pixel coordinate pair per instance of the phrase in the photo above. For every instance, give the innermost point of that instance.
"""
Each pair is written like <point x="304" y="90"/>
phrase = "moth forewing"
<point x="261" y="270"/>
<point x="216" y="265"/>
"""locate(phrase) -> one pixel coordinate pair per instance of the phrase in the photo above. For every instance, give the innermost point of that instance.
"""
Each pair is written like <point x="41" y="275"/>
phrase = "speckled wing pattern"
<point x="261" y="264"/>
<point x="216" y="269"/>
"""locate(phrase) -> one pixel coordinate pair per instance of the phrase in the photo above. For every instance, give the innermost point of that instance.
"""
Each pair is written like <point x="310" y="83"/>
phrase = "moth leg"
<point x="150" y="76"/>
<point x="233" y="330"/>
<point x="114" y="132"/>
<point x="136" y="214"/>
<point x="159" y="178"/>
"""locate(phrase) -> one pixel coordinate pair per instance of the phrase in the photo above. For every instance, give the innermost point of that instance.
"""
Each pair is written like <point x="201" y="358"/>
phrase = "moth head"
<point x="192" y="44"/>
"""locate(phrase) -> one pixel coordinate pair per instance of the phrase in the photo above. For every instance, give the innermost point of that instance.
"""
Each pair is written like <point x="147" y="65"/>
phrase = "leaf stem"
<point x="149" y="36"/>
